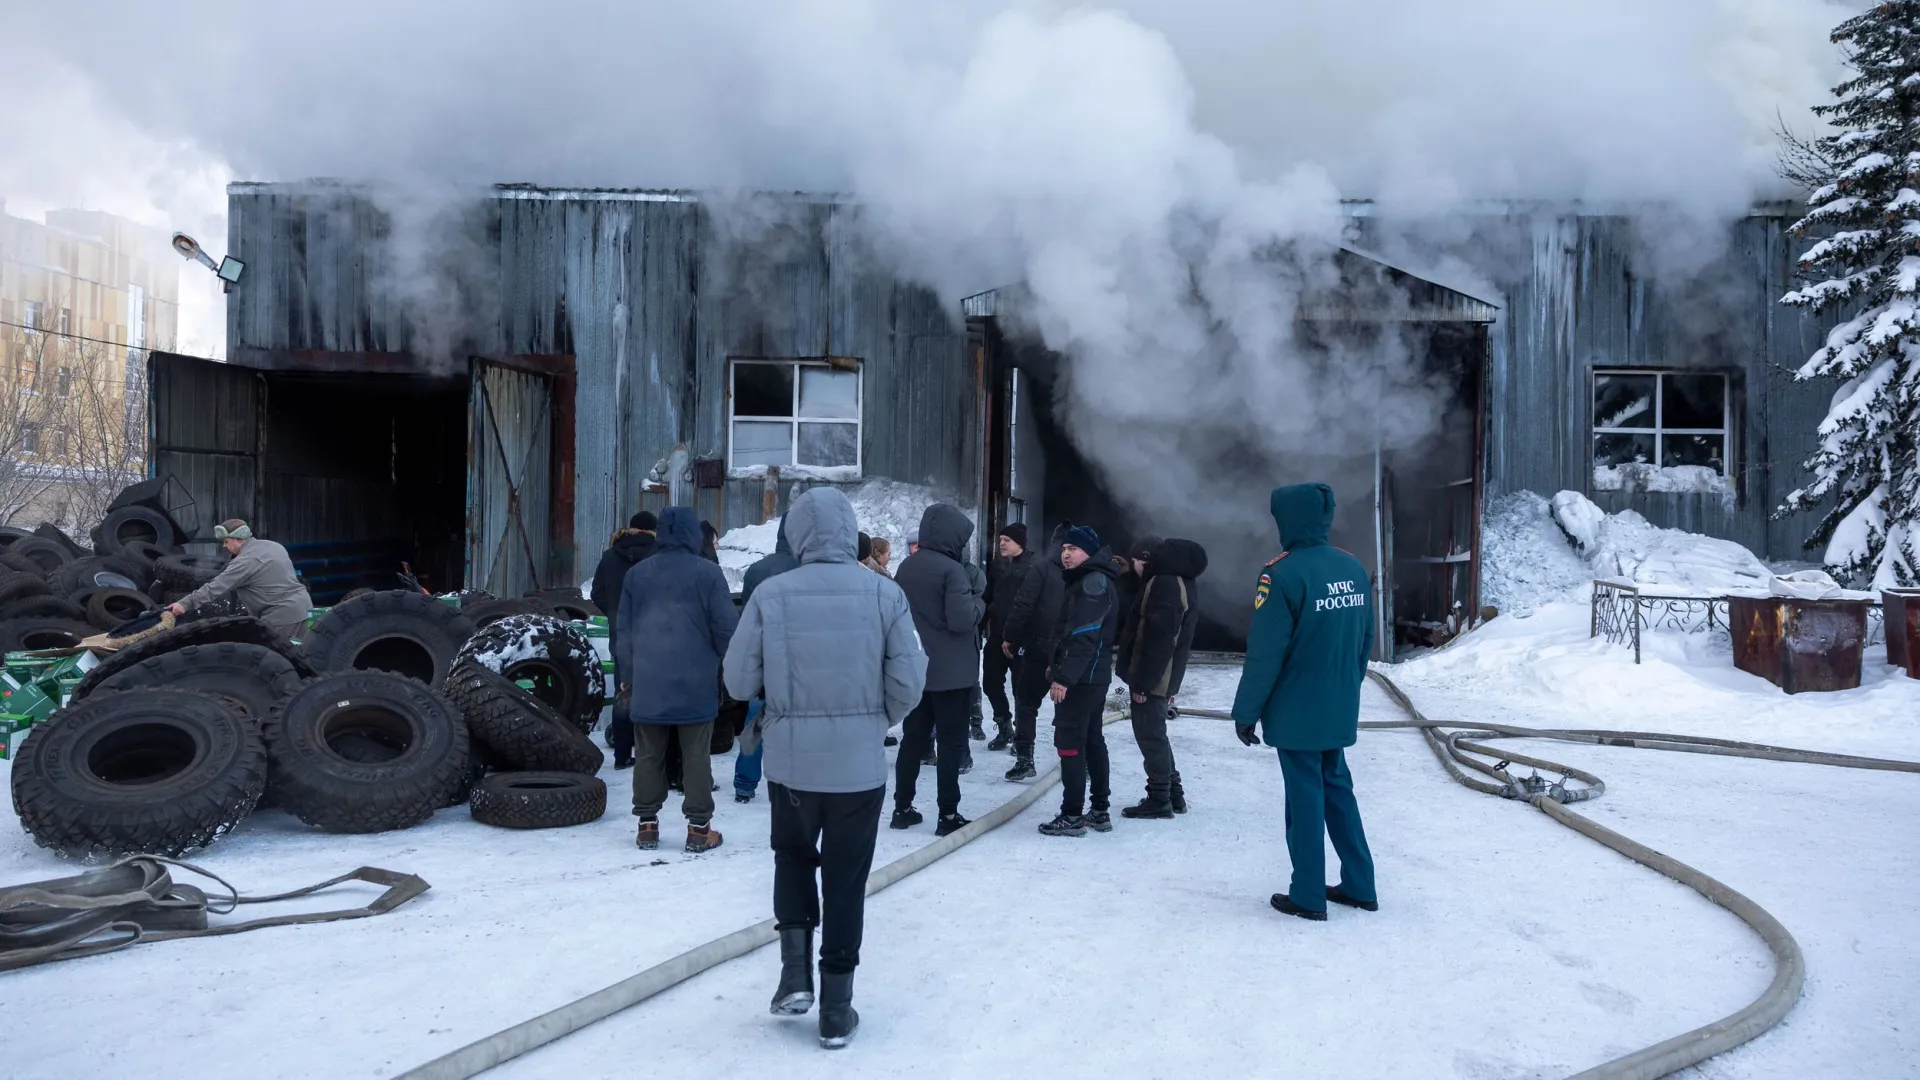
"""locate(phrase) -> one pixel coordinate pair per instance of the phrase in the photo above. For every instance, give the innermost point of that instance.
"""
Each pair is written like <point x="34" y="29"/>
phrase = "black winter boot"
<point x="950" y="823"/>
<point x="1002" y="734"/>
<point x="976" y="732"/>
<point x="1022" y="768"/>
<point x="905" y="817"/>
<point x="1152" y="807"/>
<point x="1339" y="896"/>
<point x="1177" y="796"/>
<point x="795" y="993"/>
<point x="838" y="1021"/>
<point x="1284" y="904"/>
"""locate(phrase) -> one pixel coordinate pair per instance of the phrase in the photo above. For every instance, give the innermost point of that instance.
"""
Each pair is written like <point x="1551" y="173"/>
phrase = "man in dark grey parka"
<point x="947" y="595"/>
<point x="831" y="646"/>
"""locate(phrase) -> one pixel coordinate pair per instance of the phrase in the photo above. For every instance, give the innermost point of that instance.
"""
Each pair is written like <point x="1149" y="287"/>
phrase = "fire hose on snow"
<point x="1460" y="750"/>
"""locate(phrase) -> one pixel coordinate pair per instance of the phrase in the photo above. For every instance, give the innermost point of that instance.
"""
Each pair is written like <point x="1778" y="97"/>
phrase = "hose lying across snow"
<point x="1457" y="748"/>
<point x="477" y="1057"/>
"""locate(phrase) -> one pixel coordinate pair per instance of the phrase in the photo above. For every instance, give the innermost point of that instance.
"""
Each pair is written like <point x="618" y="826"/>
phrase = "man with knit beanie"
<point x="1081" y="668"/>
<point x="1008" y="571"/>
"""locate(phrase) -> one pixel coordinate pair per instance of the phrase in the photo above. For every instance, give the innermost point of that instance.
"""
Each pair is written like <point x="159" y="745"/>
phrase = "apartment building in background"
<point x="84" y="295"/>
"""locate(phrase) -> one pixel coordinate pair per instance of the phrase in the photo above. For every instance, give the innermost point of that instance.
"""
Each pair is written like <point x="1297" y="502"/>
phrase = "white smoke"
<point x="1164" y="175"/>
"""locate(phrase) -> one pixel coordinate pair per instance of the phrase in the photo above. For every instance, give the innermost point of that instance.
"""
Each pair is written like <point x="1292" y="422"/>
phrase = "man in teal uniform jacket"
<point x="1306" y="658"/>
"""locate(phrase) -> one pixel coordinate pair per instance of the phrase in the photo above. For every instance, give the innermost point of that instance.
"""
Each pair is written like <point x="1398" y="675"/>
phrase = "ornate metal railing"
<point x="1624" y="610"/>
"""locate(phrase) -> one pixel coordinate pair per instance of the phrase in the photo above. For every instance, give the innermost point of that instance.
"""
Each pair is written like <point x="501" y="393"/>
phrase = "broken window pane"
<point x="1623" y="401"/>
<point x="827" y="393"/>
<point x="1694" y="401"/>
<point x="760" y="443"/>
<point x="762" y="389"/>
<point x="1707" y="450"/>
<point x="1618" y="449"/>
<point x="829" y="445"/>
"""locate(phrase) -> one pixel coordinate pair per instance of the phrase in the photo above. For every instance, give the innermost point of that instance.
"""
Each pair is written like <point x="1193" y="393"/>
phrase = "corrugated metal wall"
<point x="651" y="293"/>
<point x="1584" y="304"/>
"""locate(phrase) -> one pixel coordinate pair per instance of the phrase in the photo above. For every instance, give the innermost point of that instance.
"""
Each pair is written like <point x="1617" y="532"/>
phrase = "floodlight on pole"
<point x="228" y="269"/>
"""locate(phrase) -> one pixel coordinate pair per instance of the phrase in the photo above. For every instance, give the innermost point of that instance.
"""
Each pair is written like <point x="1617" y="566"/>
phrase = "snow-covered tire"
<point x="185" y="573"/>
<point x="402" y="632"/>
<point x="554" y="655"/>
<point x="20" y="585"/>
<point x="161" y="772"/>
<point x="251" y="678"/>
<point x="317" y="783"/>
<point x="241" y="629"/>
<point x="108" y="608"/>
<point x="539" y="800"/>
<point x="520" y="729"/>
<point x="33" y="633"/>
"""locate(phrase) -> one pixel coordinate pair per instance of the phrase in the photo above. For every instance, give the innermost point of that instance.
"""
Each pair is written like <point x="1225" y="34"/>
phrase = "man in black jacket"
<point x="1081" y="669"/>
<point x="631" y="545"/>
<point x="1153" y="650"/>
<point x="1028" y="640"/>
<point x="1010" y="568"/>
<point x="944" y="592"/>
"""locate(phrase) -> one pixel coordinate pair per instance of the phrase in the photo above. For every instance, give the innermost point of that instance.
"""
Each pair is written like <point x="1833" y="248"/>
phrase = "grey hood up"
<point x="832" y="647"/>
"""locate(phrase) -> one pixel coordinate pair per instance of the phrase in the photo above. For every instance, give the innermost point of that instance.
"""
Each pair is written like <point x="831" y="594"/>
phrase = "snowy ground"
<point x="1507" y="946"/>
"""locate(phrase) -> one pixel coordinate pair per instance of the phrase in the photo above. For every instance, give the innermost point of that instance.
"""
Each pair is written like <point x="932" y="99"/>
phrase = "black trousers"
<point x="1079" y="734"/>
<point x="1029" y="690"/>
<point x="1156" y="750"/>
<point x="995" y="668"/>
<point x="944" y="711"/>
<point x="833" y="834"/>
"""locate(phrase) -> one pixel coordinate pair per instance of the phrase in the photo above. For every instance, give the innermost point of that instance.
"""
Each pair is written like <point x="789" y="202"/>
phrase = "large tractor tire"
<point x="557" y="657"/>
<point x="402" y="632"/>
<point x="518" y="728"/>
<point x="539" y="800"/>
<point x="321" y="738"/>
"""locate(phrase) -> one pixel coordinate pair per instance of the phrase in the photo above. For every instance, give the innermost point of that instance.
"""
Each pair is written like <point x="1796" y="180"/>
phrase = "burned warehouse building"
<point x="490" y="403"/>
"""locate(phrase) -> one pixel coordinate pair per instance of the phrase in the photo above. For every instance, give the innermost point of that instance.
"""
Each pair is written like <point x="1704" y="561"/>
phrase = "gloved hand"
<point x="1247" y="733"/>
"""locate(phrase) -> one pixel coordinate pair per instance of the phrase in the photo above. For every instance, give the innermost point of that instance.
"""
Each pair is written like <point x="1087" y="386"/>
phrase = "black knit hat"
<point x="644" y="521"/>
<point x="1016" y="532"/>
<point x="1143" y="548"/>
<point x="865" y="547"/>
<point x="1084" y="538"/>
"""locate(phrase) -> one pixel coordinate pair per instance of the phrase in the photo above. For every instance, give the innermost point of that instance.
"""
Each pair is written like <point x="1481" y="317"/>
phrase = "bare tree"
<point x="72" y="435"/>
<point x="29" y="414"/>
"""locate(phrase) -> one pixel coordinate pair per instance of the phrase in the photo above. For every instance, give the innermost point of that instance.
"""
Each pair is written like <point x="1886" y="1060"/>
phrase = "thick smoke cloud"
<point x="1164" y="175"/>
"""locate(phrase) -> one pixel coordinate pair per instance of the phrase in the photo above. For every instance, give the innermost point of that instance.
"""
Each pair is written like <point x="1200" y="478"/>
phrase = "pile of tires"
<point x="55" y="593"/>
<point x="391" y="710"/>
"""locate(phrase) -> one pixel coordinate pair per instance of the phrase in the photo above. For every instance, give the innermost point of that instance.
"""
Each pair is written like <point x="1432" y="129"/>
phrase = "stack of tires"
<point x="54" y="593"/>
<point x="392" y="708"/>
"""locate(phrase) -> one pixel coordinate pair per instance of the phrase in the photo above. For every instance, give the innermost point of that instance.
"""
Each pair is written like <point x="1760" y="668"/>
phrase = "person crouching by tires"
<point x="1080" y="671"/>
<point x="260" y="575"/>
<point x="1156" y="639"/>
<point x="676" y="617"/>
<point x="832" y="649"/>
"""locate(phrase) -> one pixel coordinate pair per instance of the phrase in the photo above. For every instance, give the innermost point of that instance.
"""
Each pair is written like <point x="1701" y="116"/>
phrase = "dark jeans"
<point x="1080" y="737"/>
<point x="1156" y="750"/>
<point x="832" y="833"/>
<point x="944" y="711"/>
<point x="1029" y="690"/>
<point x="996" y="667"/>
<point x="650" y="769"/>
<point x="1320" y="803"/>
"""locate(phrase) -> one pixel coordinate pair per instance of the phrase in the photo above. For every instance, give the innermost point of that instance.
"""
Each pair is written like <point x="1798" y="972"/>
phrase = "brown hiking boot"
<point x="702" y="838"/>
<point x="649" y="837"/>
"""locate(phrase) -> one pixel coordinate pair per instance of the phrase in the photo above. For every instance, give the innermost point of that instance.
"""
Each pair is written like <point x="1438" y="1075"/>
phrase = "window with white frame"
<point x="793" y="413"/>
<point x="1662" y="430"/>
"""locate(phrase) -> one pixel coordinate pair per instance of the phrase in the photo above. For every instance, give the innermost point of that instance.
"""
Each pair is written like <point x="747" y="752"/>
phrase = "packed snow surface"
<point x="886" y="509"/>
<point x="1536" y="551"/>
<point x="1506" y="945"/>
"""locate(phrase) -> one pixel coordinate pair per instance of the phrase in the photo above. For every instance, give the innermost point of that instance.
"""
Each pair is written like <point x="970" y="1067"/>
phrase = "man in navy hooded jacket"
<point x="676" y="618"/>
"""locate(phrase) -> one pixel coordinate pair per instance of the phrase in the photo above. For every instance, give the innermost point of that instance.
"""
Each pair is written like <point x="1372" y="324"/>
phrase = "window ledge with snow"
<point x="1671" y="479"/>
<point x="837" y="474"/>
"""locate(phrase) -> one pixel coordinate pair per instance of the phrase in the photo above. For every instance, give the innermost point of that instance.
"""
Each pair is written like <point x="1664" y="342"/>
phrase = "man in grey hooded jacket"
<point x="832" y="648"/>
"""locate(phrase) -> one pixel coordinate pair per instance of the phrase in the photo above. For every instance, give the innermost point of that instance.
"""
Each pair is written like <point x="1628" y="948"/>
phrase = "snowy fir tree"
<point x="1865" y="266"/>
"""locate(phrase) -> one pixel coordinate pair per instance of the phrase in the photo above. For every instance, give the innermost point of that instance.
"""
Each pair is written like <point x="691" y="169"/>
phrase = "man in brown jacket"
<point x="260" y="575"/>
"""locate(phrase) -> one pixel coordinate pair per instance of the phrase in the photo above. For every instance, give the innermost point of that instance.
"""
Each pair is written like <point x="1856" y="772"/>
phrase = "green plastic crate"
<point x="13" y="728"/>
<point x="30" y="700"/>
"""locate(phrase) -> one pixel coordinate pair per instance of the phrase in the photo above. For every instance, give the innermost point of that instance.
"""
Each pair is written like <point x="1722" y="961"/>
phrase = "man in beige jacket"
<point x="260" y="575"/>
